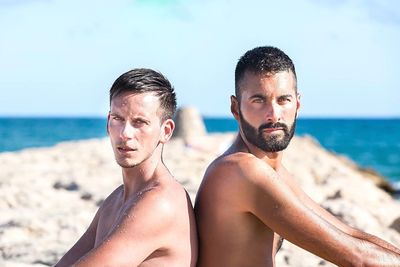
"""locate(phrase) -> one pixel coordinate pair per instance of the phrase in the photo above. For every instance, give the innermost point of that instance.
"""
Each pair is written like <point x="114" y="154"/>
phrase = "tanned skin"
<point x="248" y="200"/>
<point x="148" y="221"/>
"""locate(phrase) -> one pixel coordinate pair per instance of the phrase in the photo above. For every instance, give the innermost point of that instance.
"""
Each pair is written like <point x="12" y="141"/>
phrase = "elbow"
<point x="360" y="257"/>
<point x="353" y="256"/>
<point x="359" y="263"/>
<point x="354" y="261"/>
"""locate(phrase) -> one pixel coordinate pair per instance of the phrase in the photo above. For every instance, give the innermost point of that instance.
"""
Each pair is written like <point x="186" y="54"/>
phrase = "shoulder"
<point x="234" y="178"/>
<point x="239" y="167"/>
<point x="157" y="201"/>
<point x="158" y="206"/>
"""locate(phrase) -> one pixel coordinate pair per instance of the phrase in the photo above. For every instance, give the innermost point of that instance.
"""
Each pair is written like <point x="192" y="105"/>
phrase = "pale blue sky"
<point x="60" y="57"/>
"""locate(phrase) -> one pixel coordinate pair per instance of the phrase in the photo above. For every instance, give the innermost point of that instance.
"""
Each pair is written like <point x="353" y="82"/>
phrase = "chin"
<point x="127" y="163"/>
<point x="277" y="135"/>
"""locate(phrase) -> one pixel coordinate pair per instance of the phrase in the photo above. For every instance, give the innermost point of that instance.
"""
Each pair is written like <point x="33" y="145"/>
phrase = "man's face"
<point x="268" y="109"/>
<point x="134" y="127"/>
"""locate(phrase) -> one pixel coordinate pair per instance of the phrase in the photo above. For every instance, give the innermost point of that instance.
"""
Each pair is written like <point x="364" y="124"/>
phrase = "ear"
<point x="235" y="107"/>
<point x="298" y="105"/>
<point x="108" y="122"/>
<point x="167" y="129"/>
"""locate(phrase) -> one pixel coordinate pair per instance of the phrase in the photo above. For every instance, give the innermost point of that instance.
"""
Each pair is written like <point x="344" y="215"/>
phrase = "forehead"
<point x="138" y="103"/>
<point x="283" y="82"/>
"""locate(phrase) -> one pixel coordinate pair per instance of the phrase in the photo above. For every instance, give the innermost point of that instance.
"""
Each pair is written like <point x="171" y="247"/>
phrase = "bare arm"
<point x="317" y="209"/>
<point x="271" y="200"/>
<point x="82" y="246"/>
<point x="140" y="231"/>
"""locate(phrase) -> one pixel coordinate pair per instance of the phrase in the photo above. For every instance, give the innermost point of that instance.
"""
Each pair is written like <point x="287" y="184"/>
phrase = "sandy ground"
<point x="48" y="196"/>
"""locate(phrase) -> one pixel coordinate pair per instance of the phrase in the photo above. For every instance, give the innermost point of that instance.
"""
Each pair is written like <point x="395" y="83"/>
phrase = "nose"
<point x="127" y="131"/>
<point x="273" y="113"/>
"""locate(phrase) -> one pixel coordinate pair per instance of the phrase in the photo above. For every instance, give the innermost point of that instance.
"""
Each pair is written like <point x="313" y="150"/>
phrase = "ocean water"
<point x="372" y="143"/>
<point x="20" y="133"/>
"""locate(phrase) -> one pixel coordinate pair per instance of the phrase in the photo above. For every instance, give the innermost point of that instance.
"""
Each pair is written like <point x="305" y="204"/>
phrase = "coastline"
<point x="49" y="195"/>
<point x="354" y="138"/>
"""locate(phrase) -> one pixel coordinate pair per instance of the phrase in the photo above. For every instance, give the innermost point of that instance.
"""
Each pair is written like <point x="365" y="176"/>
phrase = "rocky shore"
<point x="48" y="196"/>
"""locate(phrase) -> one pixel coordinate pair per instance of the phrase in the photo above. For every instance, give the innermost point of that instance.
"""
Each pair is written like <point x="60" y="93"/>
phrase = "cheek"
<point x="147" y="130"/>
<point x="114" y="125"/>
<point x="252" y="108"/>
<point x="254" y="114"/>
<point x="289" y="113"/>
<point x="112" y="130"/>
<point x="151" y="134"/>
<point x="248" y="111"/>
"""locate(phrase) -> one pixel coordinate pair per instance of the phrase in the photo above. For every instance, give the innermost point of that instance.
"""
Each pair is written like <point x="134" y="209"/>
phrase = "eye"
<point x="284" y="99"/>
<point x="117" y="118"/>
<point x="258" y="100"/>
<point x="139" y="122"/>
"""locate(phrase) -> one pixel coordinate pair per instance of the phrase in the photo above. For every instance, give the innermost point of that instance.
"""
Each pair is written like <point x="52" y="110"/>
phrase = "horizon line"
<point x="60" y="116"/>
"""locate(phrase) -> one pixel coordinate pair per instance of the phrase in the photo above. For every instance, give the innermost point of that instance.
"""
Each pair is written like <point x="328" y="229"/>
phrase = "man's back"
<point x="230" y="235"/>
<point x="243" y="203"/>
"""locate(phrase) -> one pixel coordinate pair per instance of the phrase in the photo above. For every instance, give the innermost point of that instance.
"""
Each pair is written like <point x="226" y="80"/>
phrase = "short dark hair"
<point x="260" y="60"/>
<point x="142" y="80"/>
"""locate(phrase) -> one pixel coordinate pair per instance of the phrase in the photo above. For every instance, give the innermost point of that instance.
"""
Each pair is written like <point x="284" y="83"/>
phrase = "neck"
<point x="274" y="159"/>
<point x="143" y="176"/>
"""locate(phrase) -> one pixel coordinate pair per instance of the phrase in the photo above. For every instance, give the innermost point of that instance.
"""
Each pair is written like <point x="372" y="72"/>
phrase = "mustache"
<point x="273" y="125"/>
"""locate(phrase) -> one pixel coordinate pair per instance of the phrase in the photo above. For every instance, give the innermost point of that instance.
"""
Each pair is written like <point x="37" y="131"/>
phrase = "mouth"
<point x="125" y="149"/>
<point x="272" y="130"/>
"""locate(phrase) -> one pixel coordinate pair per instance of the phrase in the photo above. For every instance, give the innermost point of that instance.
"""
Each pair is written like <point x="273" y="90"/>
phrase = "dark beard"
<point x="272" y="143"/>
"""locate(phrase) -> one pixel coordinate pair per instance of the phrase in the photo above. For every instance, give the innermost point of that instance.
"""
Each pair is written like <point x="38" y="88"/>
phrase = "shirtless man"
<point x="248" y="200"/>
<point x="148" y="221"/>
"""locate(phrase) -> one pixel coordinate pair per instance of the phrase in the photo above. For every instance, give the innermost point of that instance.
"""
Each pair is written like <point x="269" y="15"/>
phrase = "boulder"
<point x="189" y="123"/>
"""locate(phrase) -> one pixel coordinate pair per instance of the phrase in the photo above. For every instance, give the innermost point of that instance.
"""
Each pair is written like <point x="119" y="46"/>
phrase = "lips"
<point x="271" y="130"/>
<point x="125" y="149"/>
<point x="273" y="127"/>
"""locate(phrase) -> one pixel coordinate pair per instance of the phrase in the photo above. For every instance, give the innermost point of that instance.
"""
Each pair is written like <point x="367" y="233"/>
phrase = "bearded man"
<point x="248" y="201"/>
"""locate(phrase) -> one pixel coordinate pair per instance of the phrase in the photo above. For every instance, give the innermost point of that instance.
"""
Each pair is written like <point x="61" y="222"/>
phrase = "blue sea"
<point x="372" y="143"/>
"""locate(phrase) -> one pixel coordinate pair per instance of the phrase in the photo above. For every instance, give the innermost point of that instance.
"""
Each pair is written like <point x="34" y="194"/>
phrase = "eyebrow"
<point x="136" y="118"/>
<point x="261" y="96"/>
<point x="115" y="114"/>
<point x="286" y="96"/>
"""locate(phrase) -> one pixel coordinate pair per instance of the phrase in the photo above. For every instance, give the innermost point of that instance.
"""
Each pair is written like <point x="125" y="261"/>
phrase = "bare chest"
<point x="108" y="220"/>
